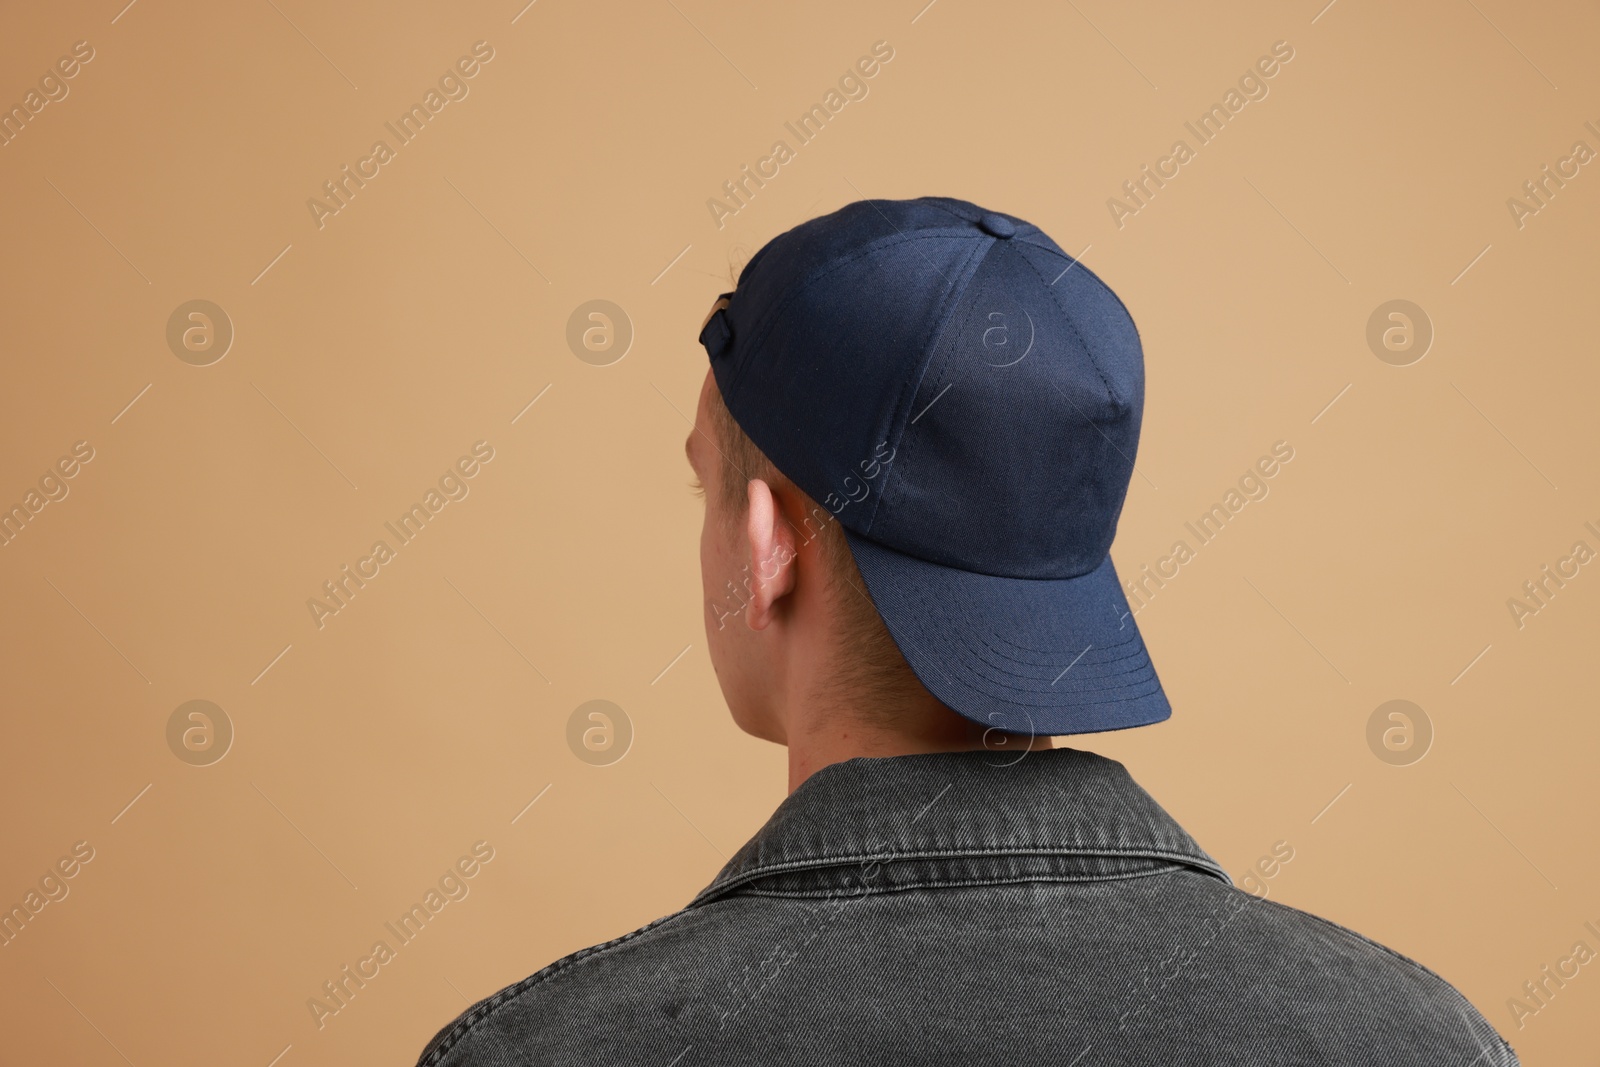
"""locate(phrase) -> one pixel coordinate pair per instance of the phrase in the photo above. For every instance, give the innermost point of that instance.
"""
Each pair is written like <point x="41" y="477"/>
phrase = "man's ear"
<point x="772" y="554"/>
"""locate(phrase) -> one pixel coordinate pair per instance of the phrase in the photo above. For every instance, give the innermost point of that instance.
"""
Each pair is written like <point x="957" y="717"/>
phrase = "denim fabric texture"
<point x="976" y="908"/>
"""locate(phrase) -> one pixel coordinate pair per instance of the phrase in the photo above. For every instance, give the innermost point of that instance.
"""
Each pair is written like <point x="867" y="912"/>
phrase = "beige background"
<point x="372" y="352"/>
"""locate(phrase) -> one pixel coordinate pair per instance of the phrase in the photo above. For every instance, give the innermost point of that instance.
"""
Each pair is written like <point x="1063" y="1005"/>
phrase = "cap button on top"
<point x="997" y="226"/>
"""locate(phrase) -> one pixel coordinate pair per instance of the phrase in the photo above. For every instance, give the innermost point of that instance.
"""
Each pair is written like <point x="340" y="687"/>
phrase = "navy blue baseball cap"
<point x="964" y="398"/>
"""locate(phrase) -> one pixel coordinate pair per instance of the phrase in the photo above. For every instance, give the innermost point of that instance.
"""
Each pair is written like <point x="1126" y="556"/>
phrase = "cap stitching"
<point x="1004" y="681"/>
<point x="936" y="333"/>
<point x="967" y="570"/>
<point x="925" y="603"/>
<point x="1113" y="656"/>
<point x="942" y="203"/>
<point x="1021" y="225"/>
<point x="1094" y="360"/>
<point x="753" y="428"/>
<point x="974" y="680"/>
<point x="759" y="338"/>
<point x="973" y="676"/>
<point x="1137" y="658"/>
<point x="1134" y="636"/>
<point x="1056" y="250"/>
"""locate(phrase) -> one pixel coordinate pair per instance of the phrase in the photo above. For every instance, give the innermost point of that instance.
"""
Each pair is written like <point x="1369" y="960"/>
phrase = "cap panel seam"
<point x="757" y="432"/>
<point x="1094" y="360"/>
<point x="908" y="394"/>
<point x="1076" y="262"/>
<point x="965" y="570"/>
<point x="818" y="273"/>
<point x="941" y="202"/>
<point x="1022" y="225"/>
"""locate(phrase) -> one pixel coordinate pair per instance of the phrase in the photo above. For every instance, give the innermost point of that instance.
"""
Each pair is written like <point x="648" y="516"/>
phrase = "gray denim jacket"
<point x="976" y="908"/>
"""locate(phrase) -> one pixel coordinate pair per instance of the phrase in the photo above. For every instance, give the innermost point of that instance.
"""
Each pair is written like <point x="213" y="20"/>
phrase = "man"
<point x="914" y="441"/>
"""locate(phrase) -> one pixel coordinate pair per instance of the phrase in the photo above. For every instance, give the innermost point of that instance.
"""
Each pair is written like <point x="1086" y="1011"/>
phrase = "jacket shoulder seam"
<point x="478" y="1013"/>
<point x="1414" y="965"/>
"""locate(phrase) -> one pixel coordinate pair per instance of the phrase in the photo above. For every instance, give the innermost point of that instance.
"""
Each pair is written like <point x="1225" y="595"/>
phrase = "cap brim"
<point x="1031" y="656"/>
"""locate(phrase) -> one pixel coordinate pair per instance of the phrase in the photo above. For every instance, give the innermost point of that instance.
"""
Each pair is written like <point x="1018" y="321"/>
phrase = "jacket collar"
<point x="957" y="807"/>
